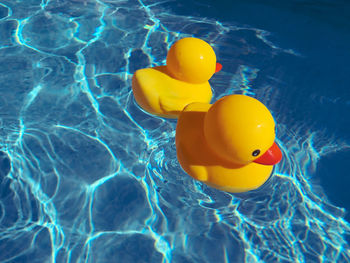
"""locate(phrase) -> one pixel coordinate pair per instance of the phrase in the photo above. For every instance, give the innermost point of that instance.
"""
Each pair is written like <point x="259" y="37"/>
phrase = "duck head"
<point x="192" y="60"/>
<point x="240" y="129"/>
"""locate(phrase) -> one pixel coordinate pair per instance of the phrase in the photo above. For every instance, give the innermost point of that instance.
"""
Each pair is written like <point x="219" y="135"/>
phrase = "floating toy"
<point x="165" y="90"/>
<point x="228" y="145"/>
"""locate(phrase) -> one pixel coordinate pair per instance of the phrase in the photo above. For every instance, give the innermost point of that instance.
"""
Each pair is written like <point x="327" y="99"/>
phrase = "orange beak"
<point x="271" y="156"/>
<point x="218" y="67"/>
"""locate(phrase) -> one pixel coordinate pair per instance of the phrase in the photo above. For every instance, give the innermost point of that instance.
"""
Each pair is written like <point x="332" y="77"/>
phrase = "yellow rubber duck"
<point x="165" y="90"/>
<point x="228" y="145"/>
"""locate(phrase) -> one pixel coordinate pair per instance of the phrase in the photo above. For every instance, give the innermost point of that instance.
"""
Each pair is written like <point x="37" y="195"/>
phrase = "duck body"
<point x="165" y="90"/>
<point x="197" y="155"/>
<point x="160" y="94"/>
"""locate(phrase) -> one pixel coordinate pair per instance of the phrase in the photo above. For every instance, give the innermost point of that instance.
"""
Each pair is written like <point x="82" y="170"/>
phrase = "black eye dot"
<point x="256" y="153"/>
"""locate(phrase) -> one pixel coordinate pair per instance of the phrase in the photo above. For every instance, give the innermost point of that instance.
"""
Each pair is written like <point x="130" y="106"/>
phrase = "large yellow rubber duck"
<point x="228" y="145"/>
<point x="165" y="90"/>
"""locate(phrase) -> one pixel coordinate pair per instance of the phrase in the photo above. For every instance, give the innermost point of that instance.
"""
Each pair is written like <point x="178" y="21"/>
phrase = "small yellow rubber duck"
<point x="165" y="90"/>
<point x="228" y="145"/>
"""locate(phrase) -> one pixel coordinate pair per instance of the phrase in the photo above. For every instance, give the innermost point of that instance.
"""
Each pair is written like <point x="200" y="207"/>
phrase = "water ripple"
<point x="87" y="176"/>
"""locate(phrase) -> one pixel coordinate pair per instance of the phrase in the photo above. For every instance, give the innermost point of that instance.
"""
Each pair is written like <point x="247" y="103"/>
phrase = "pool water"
<point x="87" y="176"/>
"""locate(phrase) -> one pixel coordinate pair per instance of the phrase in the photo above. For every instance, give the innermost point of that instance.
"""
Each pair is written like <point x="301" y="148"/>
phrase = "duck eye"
<point x="256" y="153"/>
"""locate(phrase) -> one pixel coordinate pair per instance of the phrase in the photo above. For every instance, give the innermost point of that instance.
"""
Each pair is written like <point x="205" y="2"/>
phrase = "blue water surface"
<point x="87" y="176"/>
